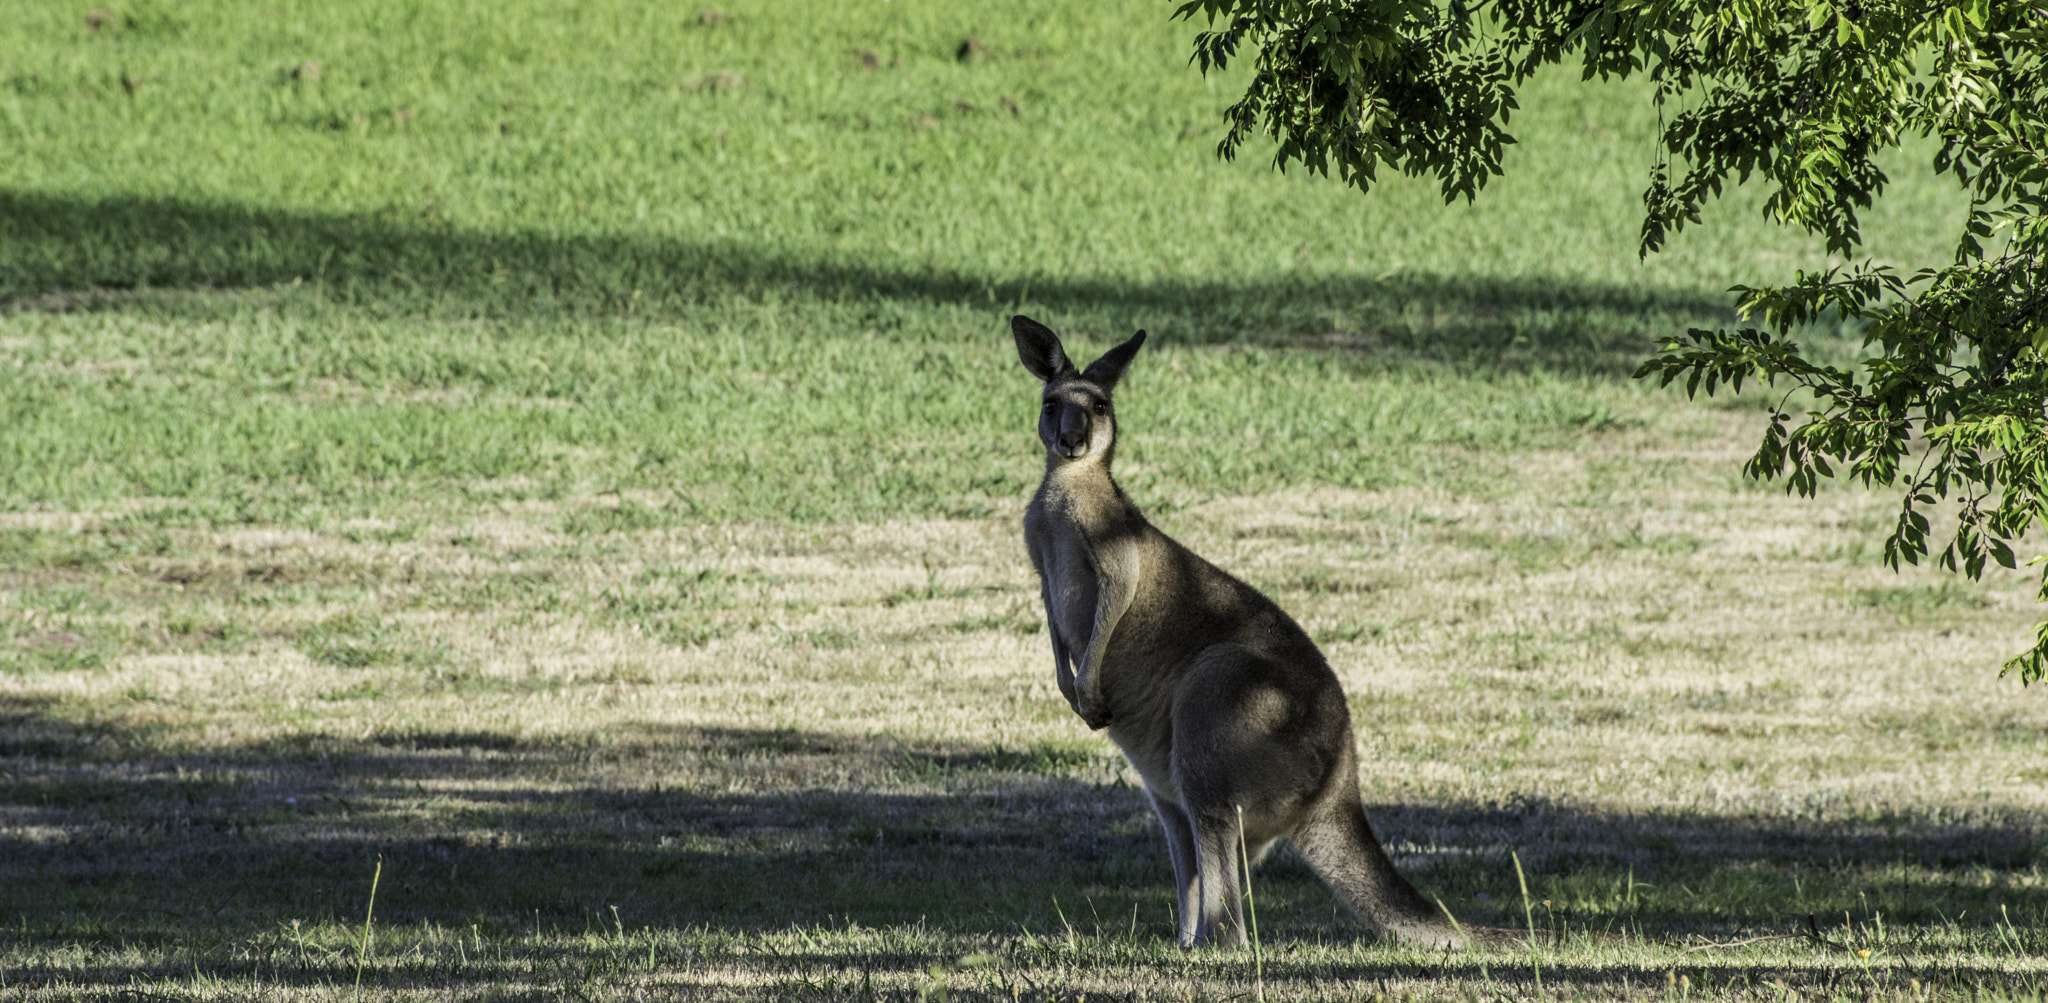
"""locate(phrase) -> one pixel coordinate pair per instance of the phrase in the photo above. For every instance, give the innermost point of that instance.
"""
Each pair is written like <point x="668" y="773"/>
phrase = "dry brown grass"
<point x="1631" y="667"/>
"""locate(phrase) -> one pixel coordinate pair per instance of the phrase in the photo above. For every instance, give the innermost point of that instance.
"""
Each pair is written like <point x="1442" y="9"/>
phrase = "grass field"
<point x="563" y="463"/>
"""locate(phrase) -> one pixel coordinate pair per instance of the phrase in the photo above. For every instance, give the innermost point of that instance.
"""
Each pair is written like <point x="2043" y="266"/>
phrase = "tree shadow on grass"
<point x="110" y="837"/>
<point x="675" y="827"/>
<point x="61" y="253"/>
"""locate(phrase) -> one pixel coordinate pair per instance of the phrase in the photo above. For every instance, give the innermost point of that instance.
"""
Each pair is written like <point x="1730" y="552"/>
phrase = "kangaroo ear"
<point x="1040" y="349"/>
<point x="1110" y="368"/>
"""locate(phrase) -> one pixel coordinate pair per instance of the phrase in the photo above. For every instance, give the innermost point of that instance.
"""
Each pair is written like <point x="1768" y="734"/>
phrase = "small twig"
<point x="1813" y="934"/>
<point x="1998" y="368"/>
<point x="1745" y="943"/>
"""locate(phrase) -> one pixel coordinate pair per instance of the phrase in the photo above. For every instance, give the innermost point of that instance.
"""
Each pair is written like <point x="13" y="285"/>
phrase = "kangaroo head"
<point x="1077" y="419"/>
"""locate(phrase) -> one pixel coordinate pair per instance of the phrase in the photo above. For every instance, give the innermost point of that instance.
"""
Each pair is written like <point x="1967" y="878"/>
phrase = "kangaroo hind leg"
<point x="1219" y="915"/>
<point x="1245" y="774"/>
<point x="1180" y="848"/>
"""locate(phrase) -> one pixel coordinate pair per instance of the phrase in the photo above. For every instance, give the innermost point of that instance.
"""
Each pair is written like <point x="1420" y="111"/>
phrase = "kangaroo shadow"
<point x="65" y="253"/>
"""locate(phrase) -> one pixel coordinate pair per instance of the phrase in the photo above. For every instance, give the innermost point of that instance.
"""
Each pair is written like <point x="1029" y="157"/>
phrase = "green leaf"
<point x="2002" y="553"/>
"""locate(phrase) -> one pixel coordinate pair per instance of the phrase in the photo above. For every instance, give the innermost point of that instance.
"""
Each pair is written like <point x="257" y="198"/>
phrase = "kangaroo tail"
<point x="1339" y="843"/>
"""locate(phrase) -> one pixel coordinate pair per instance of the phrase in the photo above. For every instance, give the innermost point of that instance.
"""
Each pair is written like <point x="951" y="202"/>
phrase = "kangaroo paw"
<point x="1097" y="718"/>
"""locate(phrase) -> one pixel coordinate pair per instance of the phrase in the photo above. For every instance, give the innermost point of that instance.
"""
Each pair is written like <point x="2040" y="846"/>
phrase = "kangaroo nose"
<point x="1073" y="429"/>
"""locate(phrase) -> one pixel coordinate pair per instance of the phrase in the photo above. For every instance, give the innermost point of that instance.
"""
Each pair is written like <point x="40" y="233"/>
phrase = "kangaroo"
<point x="1220" y="701"/>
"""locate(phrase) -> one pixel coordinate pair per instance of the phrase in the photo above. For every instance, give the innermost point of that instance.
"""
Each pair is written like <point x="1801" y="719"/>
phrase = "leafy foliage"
<point x="1801" y="95"/>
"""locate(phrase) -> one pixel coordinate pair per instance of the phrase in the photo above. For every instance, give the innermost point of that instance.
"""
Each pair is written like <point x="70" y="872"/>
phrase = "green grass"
<point x="724" y="426"/>
<point x="568" y="268"/>
<point x="572" y="451"/>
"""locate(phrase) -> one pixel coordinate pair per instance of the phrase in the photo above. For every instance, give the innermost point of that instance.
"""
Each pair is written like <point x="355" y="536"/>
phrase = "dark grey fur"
<point x="1217" y="697"/>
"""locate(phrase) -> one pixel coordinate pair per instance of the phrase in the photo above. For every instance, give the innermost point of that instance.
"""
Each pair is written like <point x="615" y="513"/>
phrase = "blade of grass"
<point x="1528" y="916"/>
<point x="1252" y="909"/>
<point x="363" y="952"/>
<point x="1459" y="929"/>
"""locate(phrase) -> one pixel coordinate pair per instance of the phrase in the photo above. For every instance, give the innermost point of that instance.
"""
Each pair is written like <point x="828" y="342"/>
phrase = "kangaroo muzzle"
<point x="1076" y="428"/>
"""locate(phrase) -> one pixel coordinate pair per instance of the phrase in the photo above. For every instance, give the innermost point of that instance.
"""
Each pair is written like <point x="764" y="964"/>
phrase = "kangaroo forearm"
<point x="1063" y="664"/>
<point x="1088" y="680"/>
<point x="1119" y="587"/>
<point x="1062" y="656"/>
